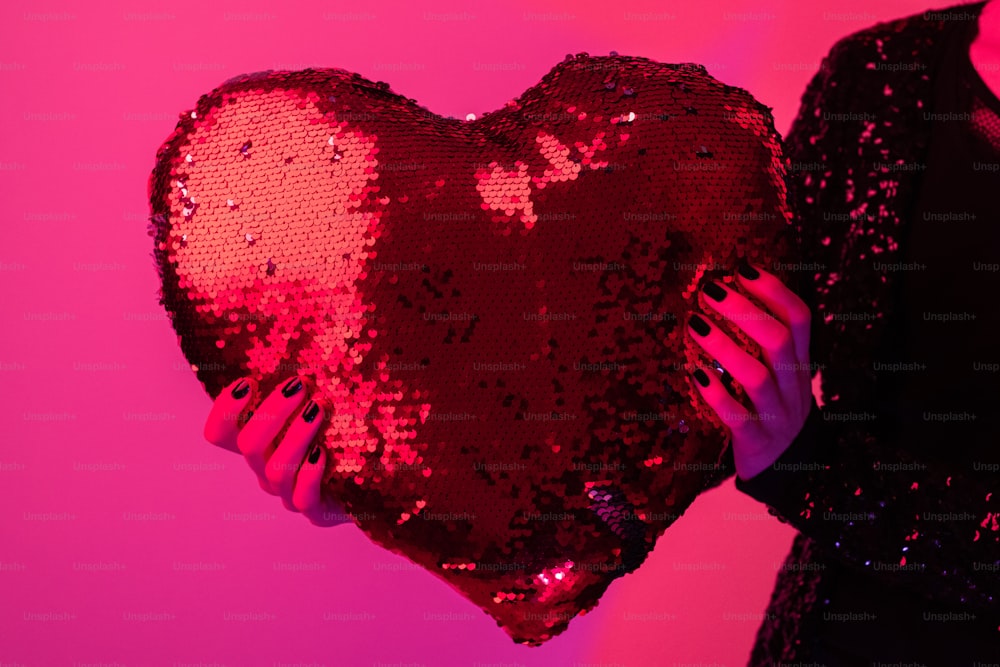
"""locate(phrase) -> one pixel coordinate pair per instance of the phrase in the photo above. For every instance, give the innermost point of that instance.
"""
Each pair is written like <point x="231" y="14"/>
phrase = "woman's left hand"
<point x="780" y="388"/>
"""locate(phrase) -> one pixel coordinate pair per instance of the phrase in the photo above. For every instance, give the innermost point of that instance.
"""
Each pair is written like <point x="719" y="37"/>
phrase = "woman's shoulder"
<point x="901" y="43"/>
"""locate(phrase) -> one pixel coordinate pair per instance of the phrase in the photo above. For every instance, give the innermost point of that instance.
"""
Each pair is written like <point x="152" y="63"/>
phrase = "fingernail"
<point x="241" y="389"/>
<point x="699" y="325"/>
<point x="310" y="412"/>
<point x="701" y="377"/>
<point x="748" y="271"/>
<point x="714" y="292"/>
<point x="291" y="388"/>
<point x="724" y="374"/>
<point x="314" y="454"/>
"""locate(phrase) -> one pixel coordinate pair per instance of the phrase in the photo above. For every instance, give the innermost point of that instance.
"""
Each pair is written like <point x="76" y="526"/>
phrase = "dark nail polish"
<point x="724" y="375"/>
<point x="310" y="411"/>
<point x="699" y="325"/>
<point x="701" y="377"/>
<point x="714" y="292"/>
<point x="241" y="389"/>
<point x="748" y="271"/>
<point x="314" y="454"/>
<point x="291" y="388"/>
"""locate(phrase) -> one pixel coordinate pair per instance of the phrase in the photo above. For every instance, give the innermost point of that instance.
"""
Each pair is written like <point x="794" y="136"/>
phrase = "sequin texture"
<point x="491" y="311"/>
<point x="851" y="211"/>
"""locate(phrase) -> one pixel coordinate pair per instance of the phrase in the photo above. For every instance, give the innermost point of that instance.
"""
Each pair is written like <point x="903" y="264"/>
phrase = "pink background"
<point x="124" y="537"/>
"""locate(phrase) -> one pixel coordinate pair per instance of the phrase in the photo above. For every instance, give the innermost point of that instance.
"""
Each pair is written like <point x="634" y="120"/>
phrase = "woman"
<point x="891" y="483"/>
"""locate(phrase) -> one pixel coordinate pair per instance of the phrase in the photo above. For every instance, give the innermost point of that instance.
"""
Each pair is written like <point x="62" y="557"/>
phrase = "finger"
<point x="308" y="495"/>
<point x="729" y="410"/>
<point x="767" y="331"/>
<point x="225" y="419"/>
<point x="786" y="305"/>
<point x="283" y="465"/>
<point x="256" y="438"/>
<point x="773" y="337"/>
<point x="754" y="376"/>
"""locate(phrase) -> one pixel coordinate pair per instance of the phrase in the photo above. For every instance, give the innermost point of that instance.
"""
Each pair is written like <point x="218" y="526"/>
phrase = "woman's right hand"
<point x="290" y="469"/>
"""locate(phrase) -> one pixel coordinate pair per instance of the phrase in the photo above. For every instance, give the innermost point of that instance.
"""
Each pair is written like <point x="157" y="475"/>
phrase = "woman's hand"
<point x="779" y="389"/>
<point x="290" y="469"/>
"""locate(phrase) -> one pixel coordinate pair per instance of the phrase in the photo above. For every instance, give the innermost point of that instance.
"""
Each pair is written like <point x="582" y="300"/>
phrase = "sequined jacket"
<point x="856" y="118"/>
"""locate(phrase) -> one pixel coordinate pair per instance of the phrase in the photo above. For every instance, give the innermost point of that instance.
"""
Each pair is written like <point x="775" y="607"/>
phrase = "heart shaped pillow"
<point x="492" y="311"/>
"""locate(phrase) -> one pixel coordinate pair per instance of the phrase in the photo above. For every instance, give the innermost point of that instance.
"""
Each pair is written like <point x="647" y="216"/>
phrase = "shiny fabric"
<point x="916" y="521"/>
<point x="491" y="310"/>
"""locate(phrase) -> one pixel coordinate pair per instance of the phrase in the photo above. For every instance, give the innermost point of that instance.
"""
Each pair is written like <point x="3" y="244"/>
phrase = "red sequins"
<point x="491" y="311"/>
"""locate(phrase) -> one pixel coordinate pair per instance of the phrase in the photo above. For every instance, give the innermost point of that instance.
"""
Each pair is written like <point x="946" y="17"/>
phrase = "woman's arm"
<point x="931" y="525"/>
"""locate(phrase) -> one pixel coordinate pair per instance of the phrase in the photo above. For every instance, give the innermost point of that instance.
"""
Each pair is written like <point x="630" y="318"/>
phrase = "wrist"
<point x="751" y="463"/>
<point x="749" y="467"/>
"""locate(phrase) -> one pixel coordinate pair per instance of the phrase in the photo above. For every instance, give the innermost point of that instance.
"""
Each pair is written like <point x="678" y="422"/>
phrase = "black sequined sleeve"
<point x="928" y="525"/>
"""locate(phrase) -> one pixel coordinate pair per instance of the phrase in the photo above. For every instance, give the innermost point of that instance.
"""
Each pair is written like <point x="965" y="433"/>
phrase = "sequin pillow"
<point x="492" y="310"/>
